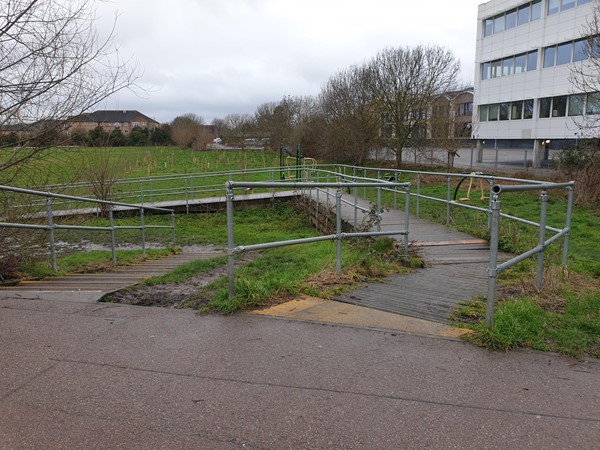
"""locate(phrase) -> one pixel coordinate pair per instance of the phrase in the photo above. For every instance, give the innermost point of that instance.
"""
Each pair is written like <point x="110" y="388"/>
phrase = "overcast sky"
<point x="216" y="57"/>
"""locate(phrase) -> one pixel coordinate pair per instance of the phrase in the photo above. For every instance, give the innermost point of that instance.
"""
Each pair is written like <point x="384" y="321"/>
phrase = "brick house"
<point x="125" y="120"/>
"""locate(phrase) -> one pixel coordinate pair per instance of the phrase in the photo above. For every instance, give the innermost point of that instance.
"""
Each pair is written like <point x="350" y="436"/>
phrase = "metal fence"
<point x="358" y="179"/>
<point x="51" y="225"/>
<point x="317" y="186"/>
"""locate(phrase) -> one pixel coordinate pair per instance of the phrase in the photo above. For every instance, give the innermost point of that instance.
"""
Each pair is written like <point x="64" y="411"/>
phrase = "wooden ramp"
<point x="105" y="282"/>
<point x="456" y="270"/>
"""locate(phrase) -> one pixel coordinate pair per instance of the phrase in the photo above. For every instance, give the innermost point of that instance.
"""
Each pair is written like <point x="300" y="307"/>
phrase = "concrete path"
<point x="105" y="376"/>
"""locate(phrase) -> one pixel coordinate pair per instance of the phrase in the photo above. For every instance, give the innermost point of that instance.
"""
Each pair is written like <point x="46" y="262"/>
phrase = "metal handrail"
<point x="52" y="226"/>
<point x="338" y="236"/>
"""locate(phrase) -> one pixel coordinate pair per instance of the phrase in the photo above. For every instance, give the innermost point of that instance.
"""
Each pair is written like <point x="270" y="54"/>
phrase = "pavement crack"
<point x="464" y="406"/>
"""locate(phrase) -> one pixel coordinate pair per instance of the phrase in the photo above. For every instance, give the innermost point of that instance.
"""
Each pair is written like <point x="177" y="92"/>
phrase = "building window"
<point x="488" y="27"/>
<point x="536" y="10"/>
<point x="511" y="19"/>
<point x="545" y="107"/>
<point x="483" y="113"/>
<point x="507" y="66"/>
<point x="532" y="60"/>
<point x="528" y="109"/>
<point x="567" y="4"/>
<point x="524" y="14"/>
<point x="499" y="23"/>
<point x="580" y="50"/>
<point x="553" y="7"/>
<point x="465" y="109"/>
<point x="496" y="68"/>
<point x="493" y="113"/>
<point x="583" y="2"/>
<point x="576" y="104"/>
<point x="504" y="111"/>
<point x="593" y="104"/>
<point x="516" y="110"/>
<point x="520" y="63"/>
<point x="559" y="106"/>
<point x="549" y="56"/>
<point x="486" y="71"/>
<point x="564" y="53"/>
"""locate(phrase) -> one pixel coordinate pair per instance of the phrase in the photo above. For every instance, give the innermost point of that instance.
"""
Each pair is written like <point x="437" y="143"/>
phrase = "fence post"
<point x="418" y="193"/>
<point x="448" y="199"/>
<point x="406" y="217"/>
<point x="542" y="238"/>
<point x="51" y="233"/>
<point x="568" y="225"/>
<point x="187" y="203"/>
<point x="338" y="230"/>
<point x="230" y="243"/>
<point x="113" y="243"/>
<point x="355" y="207"/>
<point x="378" y="209"/>
<point x="143" y="227"/>
<point x="395" y="191"/>
<point x="493" y="264"/>
<point x="173" y="226"/>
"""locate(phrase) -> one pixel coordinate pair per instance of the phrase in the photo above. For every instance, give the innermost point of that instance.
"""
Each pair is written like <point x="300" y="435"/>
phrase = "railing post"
<point x="113" y="241"/>
<point x="318" y="224"/>
<point x="395" y="191"/>
<point x="568" y="226"/>
<point x="406" y="218"/>
<point x="542" y="238"/>
<point x="493" y="264"/>
<point x="378" y="209"/>
<point x="418" y="193"/>
<point x="173" y="226"/>
<point x="230" y="244"/>
<point x="51" y="233"/>
<point x="355" y="207"/>
<point x="338" y="230"/>
<point x="143" y="228"/>
<point x="187" y="203"/>
<point x="448" y="199"/>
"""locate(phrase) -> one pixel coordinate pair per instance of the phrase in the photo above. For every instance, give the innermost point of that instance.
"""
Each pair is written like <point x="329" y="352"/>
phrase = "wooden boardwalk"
<point x="456" y="270"/>
<point x="104" y="282"/>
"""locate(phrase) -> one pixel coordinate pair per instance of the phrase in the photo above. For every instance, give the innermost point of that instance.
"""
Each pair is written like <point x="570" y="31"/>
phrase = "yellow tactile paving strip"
<point x="327" y="311"/>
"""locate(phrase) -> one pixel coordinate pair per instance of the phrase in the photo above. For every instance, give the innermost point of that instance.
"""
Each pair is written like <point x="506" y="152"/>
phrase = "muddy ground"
<point x="187" y="294"/>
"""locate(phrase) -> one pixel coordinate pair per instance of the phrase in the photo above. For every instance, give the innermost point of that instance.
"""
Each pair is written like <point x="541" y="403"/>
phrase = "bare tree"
<point x="352" y="120"/>
<point x="403" y="82"/>
<point x="583" y="161"/>
<point x="188" y="131"/>
<point x="239" y="128"/>
<point x="53" y="64"/>
<point x="450" y="127"/>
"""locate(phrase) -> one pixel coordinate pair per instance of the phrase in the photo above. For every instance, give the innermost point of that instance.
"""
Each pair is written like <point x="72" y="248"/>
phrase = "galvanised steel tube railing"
<point x="494" y="269"/>
<point x="232" y="250"/>
<point x="52" y="226"/>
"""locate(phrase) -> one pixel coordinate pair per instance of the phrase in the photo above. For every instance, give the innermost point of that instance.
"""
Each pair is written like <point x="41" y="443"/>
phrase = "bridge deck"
<point x="456" y="270"/>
